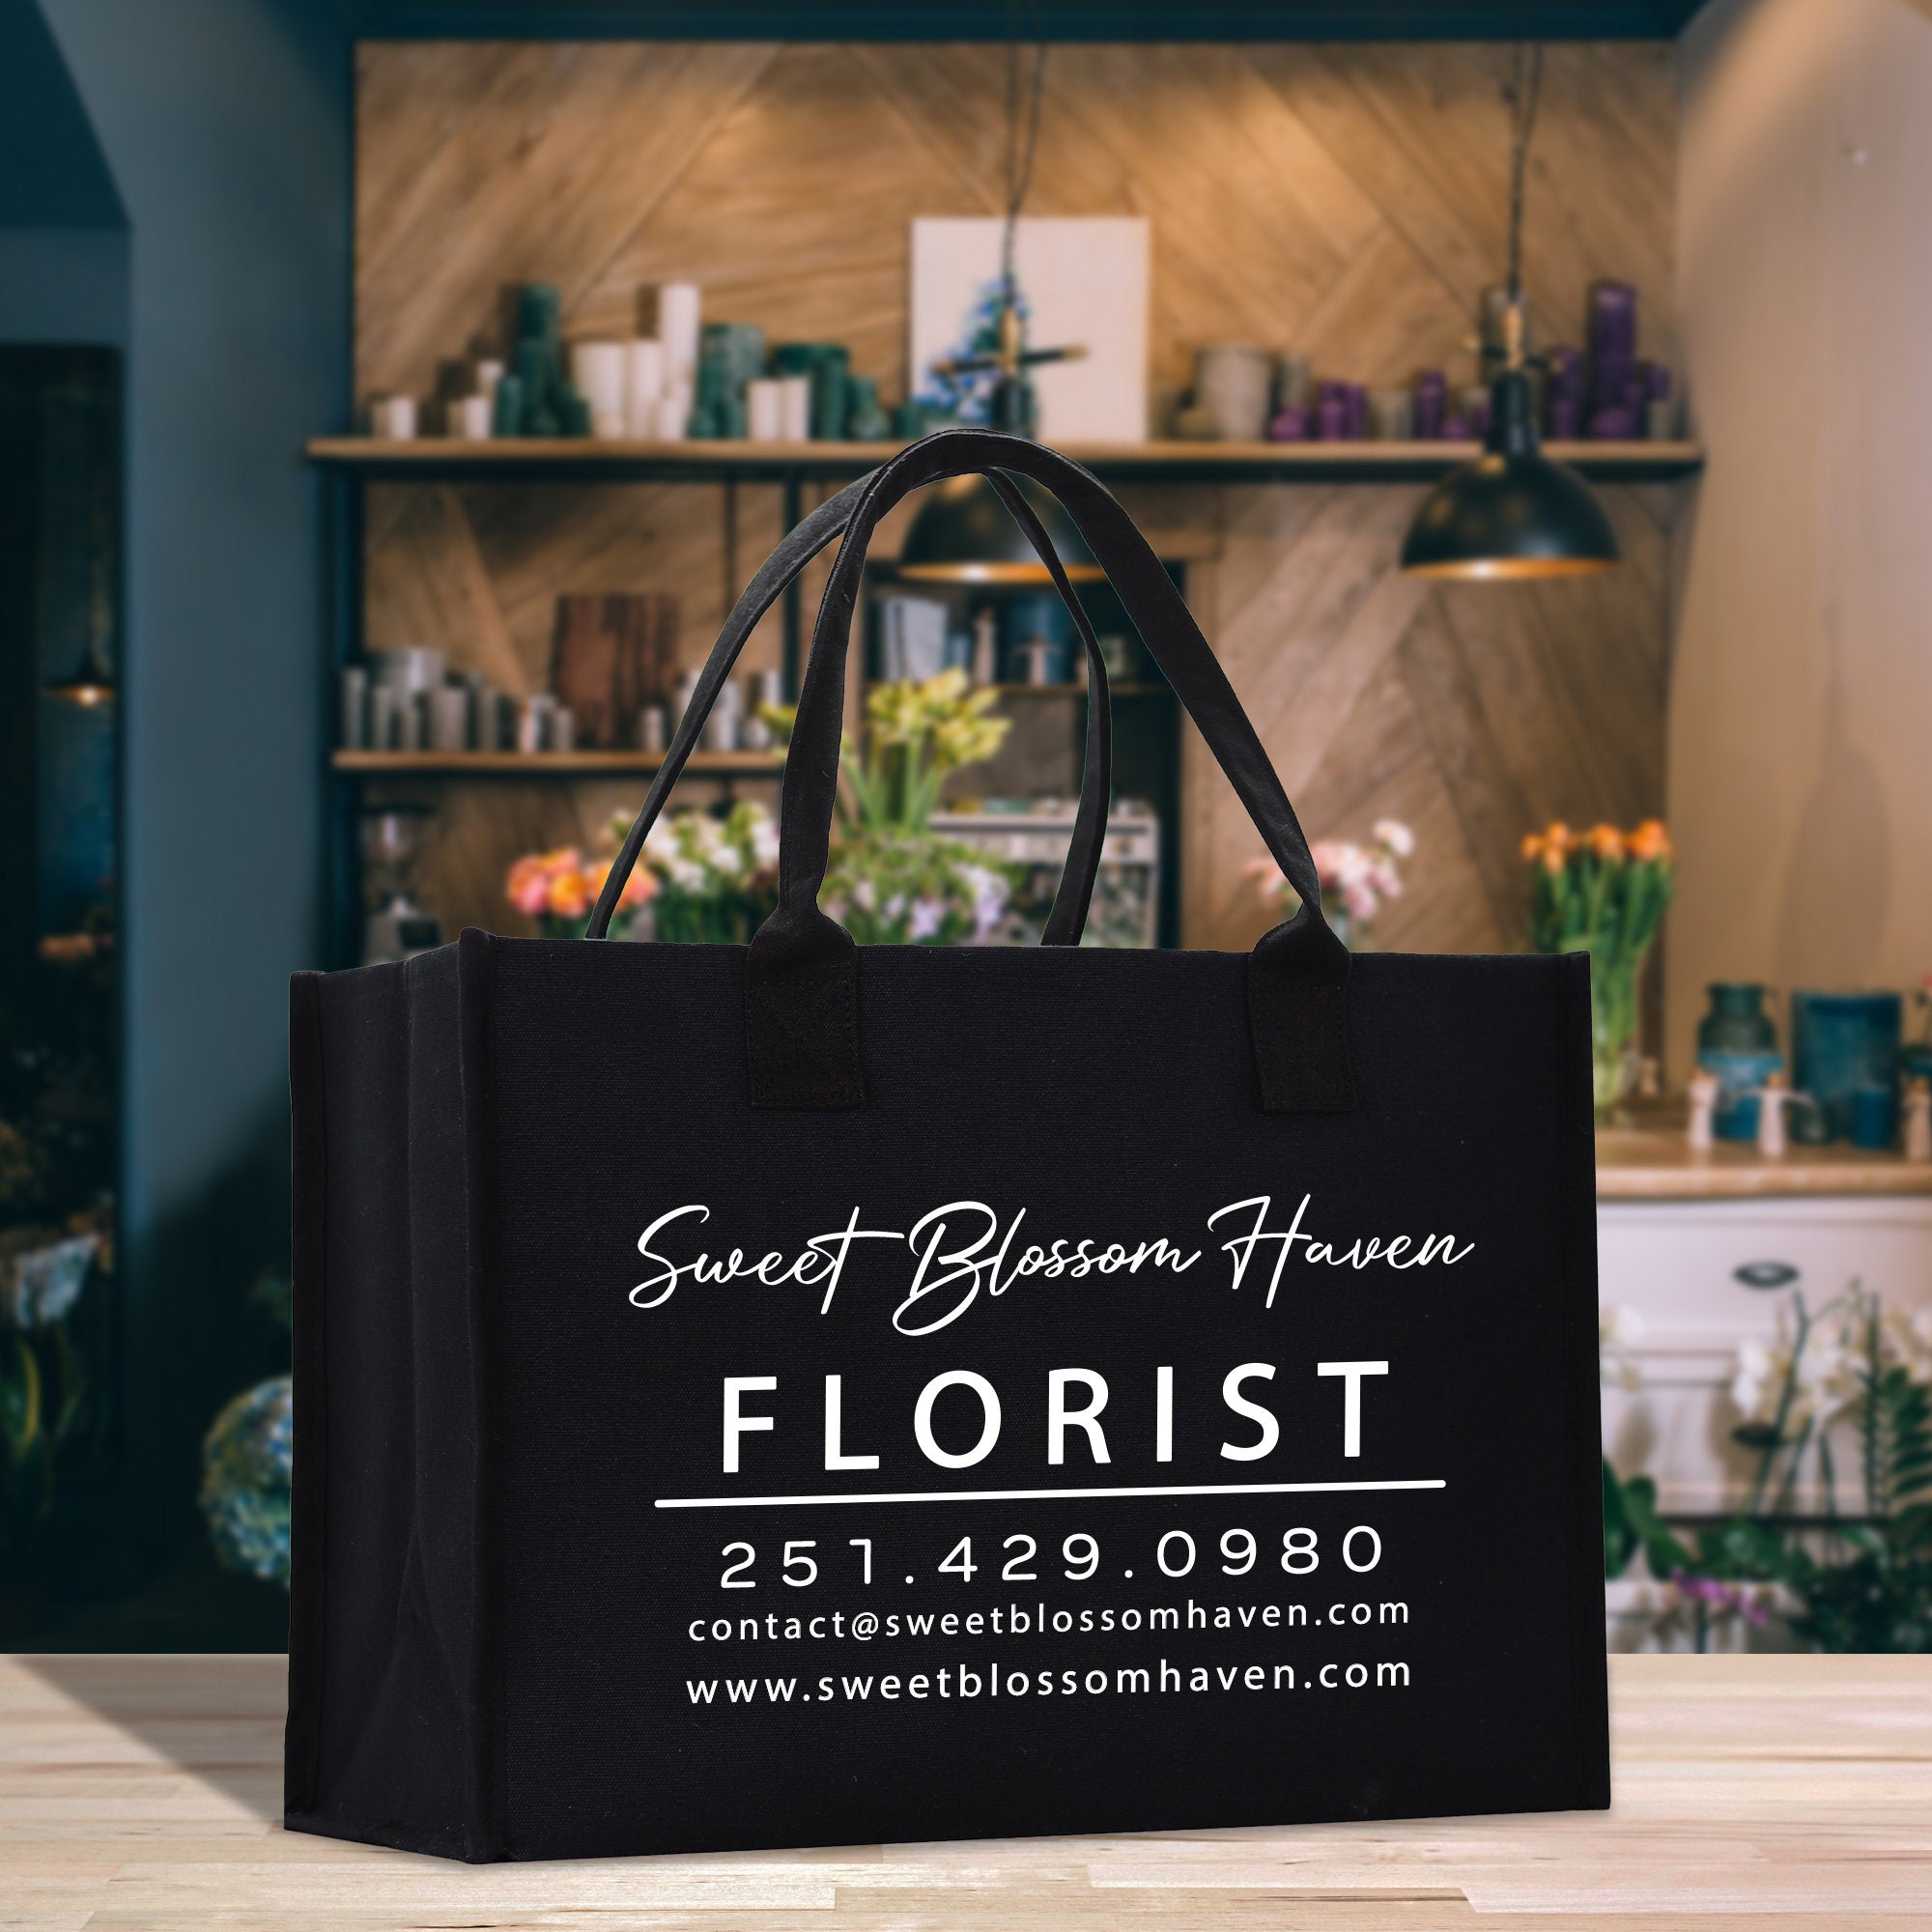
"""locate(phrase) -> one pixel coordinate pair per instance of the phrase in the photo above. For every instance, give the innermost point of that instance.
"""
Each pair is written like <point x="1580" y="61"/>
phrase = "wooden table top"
<point x="1655" y="1162"/>
<point x="1765" y="1792"/>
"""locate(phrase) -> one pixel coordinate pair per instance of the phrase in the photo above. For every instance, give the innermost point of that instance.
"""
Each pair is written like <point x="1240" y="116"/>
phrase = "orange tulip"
<point x="1606" y="843"/>
<point x="1650" y="842"/>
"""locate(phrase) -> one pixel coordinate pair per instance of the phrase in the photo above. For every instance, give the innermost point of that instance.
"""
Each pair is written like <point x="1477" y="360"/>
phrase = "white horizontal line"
<point x="1044" y="1495"/>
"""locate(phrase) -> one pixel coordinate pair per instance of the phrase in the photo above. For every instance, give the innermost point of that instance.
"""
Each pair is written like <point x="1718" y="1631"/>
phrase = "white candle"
<point x="598" y="369"/>
<point x="679" y="326"/>
<point x="468" y="418"/>
<point x="764" y="409"/>
<point x="644" y="387"/>
<point x="675" y="416"/>
<point x="795" y="408"/>
<point x="393" y="417"/>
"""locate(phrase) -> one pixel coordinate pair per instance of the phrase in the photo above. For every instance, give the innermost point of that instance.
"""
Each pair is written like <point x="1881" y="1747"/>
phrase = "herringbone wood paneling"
<point x="1347" y="201"/>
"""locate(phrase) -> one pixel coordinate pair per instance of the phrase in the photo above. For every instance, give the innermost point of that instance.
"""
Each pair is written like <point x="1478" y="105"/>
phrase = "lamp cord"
<point x="1525" y="85"/>
<point x="1019" y="146"/>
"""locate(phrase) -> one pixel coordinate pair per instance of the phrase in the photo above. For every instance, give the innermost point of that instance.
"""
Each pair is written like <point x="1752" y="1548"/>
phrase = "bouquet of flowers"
<point x="712" y="879"/>
<point x="888" y="890"/>
<point x="891" y="881"/>
<point x="916" y="735"/>
<point x="557" y="889"/>
<point x="1355" y="880"/>
<point x="1603" y="892"/>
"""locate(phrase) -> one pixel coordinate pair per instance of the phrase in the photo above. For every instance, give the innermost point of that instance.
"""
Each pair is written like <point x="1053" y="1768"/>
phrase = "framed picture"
<point x="1083" y="281"/>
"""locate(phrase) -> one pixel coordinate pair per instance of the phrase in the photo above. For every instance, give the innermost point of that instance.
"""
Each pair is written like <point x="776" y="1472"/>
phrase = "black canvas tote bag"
<point x="802" y="1394"/>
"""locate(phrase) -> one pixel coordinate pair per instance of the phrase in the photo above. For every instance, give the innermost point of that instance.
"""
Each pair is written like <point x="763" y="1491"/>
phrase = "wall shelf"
<point x="582" y="460"/>
<point x="349" y="463"/>
<point x="551" y="764"/>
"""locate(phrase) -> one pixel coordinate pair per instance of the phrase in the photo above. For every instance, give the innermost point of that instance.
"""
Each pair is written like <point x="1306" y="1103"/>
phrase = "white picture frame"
<point x="1084" y="279"/>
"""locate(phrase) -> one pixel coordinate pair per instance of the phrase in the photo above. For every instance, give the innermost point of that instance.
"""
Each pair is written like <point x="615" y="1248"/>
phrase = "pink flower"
<point x="1266" y="876"/>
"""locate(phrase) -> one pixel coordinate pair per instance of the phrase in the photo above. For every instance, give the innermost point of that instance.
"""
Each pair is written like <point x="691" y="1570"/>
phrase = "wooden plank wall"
<point x="1348" y="201"/>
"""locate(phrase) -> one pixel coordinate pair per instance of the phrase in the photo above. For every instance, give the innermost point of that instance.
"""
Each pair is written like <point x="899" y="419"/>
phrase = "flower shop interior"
<point x="398" y="394"/>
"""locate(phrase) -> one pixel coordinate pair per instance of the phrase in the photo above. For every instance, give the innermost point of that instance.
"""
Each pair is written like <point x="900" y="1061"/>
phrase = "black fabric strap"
<point x="801" y="978"/>
<point x="799" y="546"/>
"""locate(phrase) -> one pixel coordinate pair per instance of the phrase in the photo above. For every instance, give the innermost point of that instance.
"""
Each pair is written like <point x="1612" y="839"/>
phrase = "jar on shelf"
<point x="1737" y="1042"/>
<point x="1841" y="1042"/>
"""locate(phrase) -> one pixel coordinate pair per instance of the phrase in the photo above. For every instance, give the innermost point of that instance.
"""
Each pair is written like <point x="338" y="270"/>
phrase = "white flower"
<point x="989" y="897"/>
<point x="1908" y="1340"/>
<point x="1619" y="1330"/>
<point x="39" y="1285"/>
<point x="927" y="915"/>
<point x="1759" y="1378"/>
<point x="1396" y="836"/>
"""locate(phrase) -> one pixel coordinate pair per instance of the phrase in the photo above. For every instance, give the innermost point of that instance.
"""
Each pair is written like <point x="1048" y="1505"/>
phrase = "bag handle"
<point x="799" y="546"/>
<point x="801" y="970"/>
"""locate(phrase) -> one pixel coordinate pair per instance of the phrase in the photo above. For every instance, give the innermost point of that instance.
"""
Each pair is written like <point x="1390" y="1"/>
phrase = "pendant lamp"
<point x="962" y="533"/>
<point x="92" y="682"/>
<point x="1513" y="513"/>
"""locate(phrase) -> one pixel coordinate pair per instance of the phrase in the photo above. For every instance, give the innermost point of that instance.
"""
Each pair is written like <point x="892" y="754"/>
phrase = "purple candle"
<point x="1612" y="342"/>
<point x="1613" y="316"/>
<point x="1611" y="425"/>
<point x="1455" y="430"/>
<point x="1358" y="411"/>
<point x="1332" y="419"/>
<point x="1291" y="425"/>
<point x="1432" y="403"/>
<point x="1656" y="375"/>
<point x="1564" y="415"/>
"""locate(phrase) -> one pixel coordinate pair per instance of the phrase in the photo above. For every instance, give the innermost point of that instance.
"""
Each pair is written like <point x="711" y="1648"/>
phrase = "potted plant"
<point x="1860" y="1581"/>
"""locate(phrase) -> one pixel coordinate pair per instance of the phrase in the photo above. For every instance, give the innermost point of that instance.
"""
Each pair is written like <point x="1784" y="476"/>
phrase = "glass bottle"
<point x="1737" y="1041"/>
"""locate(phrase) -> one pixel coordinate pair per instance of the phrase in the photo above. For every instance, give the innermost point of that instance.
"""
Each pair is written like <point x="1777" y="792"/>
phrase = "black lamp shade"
<point x="1512" y="513"/>
<point x="962" y="535"/>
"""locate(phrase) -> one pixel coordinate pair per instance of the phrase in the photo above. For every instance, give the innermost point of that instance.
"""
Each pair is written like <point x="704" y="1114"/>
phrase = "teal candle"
<point x="508" y="419"/>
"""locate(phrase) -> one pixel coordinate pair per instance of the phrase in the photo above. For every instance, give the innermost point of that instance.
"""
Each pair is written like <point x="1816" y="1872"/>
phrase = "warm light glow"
<point x="81" y="694"/>
<point x="1512" y="569"/>
<point x="997" y="573"/>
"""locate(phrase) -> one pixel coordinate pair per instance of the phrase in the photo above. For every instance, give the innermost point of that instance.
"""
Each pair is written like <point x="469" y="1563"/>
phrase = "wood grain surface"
<point x="1770" y="1792"/>
<point x="1345" y="201"/>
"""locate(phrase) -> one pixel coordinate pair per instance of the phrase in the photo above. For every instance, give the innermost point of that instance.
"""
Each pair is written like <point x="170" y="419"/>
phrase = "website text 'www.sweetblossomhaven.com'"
<point x="955" y="1681"/>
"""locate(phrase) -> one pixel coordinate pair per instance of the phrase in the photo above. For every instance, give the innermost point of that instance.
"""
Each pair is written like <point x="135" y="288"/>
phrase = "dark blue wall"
<point x="62" y="231"/>
<point x="225" y="126"/>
